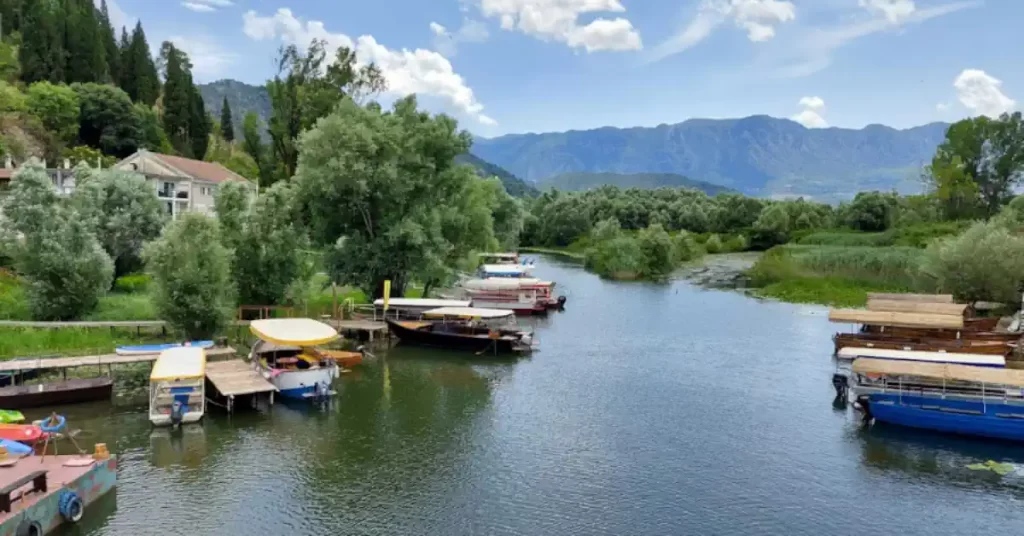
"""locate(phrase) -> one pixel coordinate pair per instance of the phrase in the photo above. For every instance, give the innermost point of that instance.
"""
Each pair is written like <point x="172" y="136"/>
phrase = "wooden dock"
<point x="49" y="363"/>
<point x="371" y="327"/>
<point x="234" y="378"/>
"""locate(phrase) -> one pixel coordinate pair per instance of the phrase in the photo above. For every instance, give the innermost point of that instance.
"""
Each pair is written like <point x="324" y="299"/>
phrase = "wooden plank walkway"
<point x="236" y="377"/>
<point x="84" y="324"/>
<point x="22" y="364"/>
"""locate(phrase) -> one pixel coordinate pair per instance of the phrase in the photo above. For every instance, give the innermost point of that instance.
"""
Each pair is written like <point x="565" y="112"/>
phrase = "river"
<point x="650" y="409"/>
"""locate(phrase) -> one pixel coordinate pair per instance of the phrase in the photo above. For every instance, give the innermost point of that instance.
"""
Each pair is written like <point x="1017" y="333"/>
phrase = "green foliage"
<point x="177" y="98"/>
<point x="111" y="52"/>
<point x="231" y="157"/>
<point x="658" y="250"/>
<point x="871" y="211"/>
<point x="107" y="120"/>
<point x="515" y="186"/>
<point x="191" y="276"/>
<point x="736" y="244"/>
<point x="132" y="283"/>
<point x="123" y="212"/>
<point x="57" y="108"/>
<point x="83" y="154"/>
<point x="227" y="125"/>
<point x="619" y="258"/>
<point x="11" y="99"/>
<point x="713" y="244"/>
<point x="138" y="71"/>
<point x="13" y="303"/>
<point x="199" y="125"/>
<point x="124" y="306"/>
<point x="984" y="263"/>
<point x="772" y="227"/>
<point x="687" y="248"/>
<point x="252" y="143"/>
<point x="307" y="88"/>
<point x="10" y="67"/>
<point x="153" y="136"/>
<point x="83" y="44"/>
<point x="41" y="53"/>
<point x="376" y="187"/>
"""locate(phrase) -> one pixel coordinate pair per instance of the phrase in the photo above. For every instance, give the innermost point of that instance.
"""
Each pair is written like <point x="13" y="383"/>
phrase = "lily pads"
<point x="1001" y="469"/>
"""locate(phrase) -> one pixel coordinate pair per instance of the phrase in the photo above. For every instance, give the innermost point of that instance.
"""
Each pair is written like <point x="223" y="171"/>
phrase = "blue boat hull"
<point x="972" y="418"/>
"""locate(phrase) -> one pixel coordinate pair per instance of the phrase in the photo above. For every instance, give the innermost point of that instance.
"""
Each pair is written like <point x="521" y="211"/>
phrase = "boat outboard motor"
<point x="863" y="404"/>
<point x="841" y="384"/>
<point x="177" y="412"/>
<point x="322" y="390"/>
<point x="561" y="302"/>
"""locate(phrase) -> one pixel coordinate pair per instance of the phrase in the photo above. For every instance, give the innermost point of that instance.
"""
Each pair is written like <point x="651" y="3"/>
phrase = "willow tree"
<point x="377" y="187"/>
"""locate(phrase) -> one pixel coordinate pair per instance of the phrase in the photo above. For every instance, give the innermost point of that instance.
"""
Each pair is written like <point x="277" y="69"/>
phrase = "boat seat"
<point x="38" y="480"/>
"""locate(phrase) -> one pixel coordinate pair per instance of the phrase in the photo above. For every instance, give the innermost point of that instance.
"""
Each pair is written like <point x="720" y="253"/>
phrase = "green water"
<point x="650" y="409"/>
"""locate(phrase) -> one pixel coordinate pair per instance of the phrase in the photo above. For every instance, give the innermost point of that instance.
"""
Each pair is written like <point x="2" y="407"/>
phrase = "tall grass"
<point x="13" y="304"/>
<point x="915" y="236"/>
<point x="122" y="306"/>
<point x="25" y="342"/>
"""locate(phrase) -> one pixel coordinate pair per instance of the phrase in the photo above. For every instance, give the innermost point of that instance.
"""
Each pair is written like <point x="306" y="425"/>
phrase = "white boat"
<point x="280" y="355"/>
<point x="505" y="270"/>
<point x="177" y="387"/>
<point x="978" y="360"/>
<point x="499" y="258"/>
<point x="413" y="306"/>
<point x="525" y="296"/>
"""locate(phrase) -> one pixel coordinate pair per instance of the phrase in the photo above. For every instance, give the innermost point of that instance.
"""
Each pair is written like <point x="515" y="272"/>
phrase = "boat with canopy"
<point x="525" y="296"/>
<point x="412" y="307"/>
<point x="177" y="387"/>
<point x="943" y="397"/>
<point x="286" y="356"/>
<point x="465" y="328"/>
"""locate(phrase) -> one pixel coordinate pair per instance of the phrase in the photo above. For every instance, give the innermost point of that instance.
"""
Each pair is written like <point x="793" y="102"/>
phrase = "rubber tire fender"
<point x="70" y="506"/>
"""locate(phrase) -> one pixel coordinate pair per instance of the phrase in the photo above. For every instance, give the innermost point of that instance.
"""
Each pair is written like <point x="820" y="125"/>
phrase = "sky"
<point x="517" y="66"/>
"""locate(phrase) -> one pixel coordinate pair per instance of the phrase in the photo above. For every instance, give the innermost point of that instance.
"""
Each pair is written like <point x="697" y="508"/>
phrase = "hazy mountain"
<point x="755" y="155"/>
<point x="242" y="98"/>
<point x="513" y="185"/>
<point x="571" y="182"/>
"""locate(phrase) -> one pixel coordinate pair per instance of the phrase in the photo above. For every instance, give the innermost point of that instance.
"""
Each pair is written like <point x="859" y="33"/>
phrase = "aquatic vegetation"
<point x="1001" y="469"/>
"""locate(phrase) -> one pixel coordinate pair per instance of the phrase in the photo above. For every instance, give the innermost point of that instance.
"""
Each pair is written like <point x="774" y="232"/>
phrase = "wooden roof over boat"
<point x="977" y="360"/>
<point x="902" y="320"/>
<point x="940" y="371"/>
<point x="926" y="298"/>
<point x="904" y="306"/>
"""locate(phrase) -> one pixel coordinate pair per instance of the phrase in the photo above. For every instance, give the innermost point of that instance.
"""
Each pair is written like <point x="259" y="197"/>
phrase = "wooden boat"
<point x="462" y="329"/>
<point x="412" y="307"/>
<point x="177" y="387"/>
<point x="342" y="358"/>
<point x="24" y="433"/>
<point x="57" y="393"/>
<point x="977" y="360"/>
<point x="921" y="344"/>
<point x="947" y="334"/>
<point x="957" y="399"/>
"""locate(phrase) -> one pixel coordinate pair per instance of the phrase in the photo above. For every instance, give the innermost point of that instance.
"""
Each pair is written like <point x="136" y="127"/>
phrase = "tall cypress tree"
<point x="112" y="52"/>
<point x="138" y="72"/>
<point x="198" y="125"/>
<point x="85" y="51"/>
<point x="177" y="97"/>
<point x="10" y="15"/>
<point x="227" y="128"/>
<point x="41" y="53"/>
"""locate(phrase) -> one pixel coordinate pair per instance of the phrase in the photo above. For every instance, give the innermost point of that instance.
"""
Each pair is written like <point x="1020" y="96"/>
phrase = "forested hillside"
<point x="573" y="182"/>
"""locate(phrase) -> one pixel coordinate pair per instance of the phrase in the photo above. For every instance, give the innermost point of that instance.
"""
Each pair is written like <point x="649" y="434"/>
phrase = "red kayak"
<point x="25" y="433"/>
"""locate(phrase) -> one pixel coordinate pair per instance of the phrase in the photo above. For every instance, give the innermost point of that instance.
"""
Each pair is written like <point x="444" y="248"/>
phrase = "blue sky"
<point x="510" y="66"/>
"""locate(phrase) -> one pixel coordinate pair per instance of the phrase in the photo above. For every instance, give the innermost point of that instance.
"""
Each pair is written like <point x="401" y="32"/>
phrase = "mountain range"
<point x="756" y="155"/>
<point x="577" y="181"/>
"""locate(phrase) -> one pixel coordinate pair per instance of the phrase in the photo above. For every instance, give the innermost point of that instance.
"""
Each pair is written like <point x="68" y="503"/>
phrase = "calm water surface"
<point x="651" y="409"/>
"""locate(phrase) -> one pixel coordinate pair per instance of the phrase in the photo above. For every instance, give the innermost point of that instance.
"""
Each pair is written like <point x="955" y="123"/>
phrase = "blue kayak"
<point x="157" y="348"/>
<point x="15" y="448"/>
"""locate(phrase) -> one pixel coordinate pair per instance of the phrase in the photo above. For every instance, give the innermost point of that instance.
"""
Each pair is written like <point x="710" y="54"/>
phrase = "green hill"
<point x="571" y="182"/>
<point x="513" y="185"/>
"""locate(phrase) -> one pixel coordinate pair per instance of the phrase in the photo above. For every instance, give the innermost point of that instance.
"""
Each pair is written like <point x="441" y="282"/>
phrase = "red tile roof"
<point x="206" y="171"/>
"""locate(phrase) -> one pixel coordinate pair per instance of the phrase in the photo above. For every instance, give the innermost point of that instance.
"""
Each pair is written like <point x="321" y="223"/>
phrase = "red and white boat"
<point x="525" y="296"/>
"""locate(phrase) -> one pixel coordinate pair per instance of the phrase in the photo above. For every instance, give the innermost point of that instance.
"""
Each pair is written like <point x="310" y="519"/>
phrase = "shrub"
<point x="846" y="238"/>
<point x="871" y="211"/>
<point x="984" y="263"/>
<point x="659" y="253"/>
<point x="619" y="258"/>
<point x="687" y="248"/>
<point x="772" y="227"/>
<point x="191" y="276"/>
<point x="132" y="283"/>
<point x="736" y="243"/>
<point x="713" y="244"/>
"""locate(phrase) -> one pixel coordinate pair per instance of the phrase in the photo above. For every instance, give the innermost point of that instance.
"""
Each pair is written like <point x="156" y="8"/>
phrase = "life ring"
<point x="70" y="506"/>
<point x="28" y="528"/>
<point x="53" y="428"/>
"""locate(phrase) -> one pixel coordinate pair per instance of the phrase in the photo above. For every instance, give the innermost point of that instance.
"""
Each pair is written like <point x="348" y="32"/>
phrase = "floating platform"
<point x="235" y="378"/>
<point x="39" y="494"/>
<point x="371" y="328"/>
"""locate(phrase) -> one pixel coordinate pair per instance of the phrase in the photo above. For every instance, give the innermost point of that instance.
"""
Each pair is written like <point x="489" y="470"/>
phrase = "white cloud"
<point x="758" y="17"/>
<point x="811" y="115"/>
<point x="558" y="20"/>
<point x="942" y="107"/>
<point x="447" y="43"/>
<point x="208" y="58"/>
<point x="118" y="18"/>
<point x="982" y="94"/>
<point x="200" y="8"/>
<point x="407" y="71"/>
<point x="206" y="6"/>
<point x="815" y="53"/>
<point x="894" y="11"/>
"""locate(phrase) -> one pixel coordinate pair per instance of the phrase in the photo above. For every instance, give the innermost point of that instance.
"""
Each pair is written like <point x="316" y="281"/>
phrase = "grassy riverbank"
<point x="558" y="252"/>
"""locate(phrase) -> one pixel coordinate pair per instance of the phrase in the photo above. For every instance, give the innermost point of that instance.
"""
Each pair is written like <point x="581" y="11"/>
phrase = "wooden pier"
<point x="373" y="329"/>
<point x="234" y="378"/>
<point x="49" y="363"/>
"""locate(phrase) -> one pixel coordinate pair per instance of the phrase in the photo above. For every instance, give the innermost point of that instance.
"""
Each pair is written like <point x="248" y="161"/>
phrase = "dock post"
<point x="231" y="403"/>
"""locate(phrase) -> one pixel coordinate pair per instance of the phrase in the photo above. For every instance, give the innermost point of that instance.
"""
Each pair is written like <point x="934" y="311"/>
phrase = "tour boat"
<point x="464" y="328"/>
<point x="498" y="258"/>
<point x="177" y="387"/>
<point x="525" y="296"/>
<point x="942" y="397"/>
<point x="281" y="356"/>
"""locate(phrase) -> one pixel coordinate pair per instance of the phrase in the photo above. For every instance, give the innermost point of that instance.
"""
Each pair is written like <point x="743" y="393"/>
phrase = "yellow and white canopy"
<point x="293" y="331"/>
<point x="182" y="363"/>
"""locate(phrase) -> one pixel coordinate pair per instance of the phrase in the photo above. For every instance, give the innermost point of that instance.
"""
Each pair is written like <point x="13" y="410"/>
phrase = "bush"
<point x="984" y="263"/>
<point x="132" y="283"/>
<point x="713" y="244"/>
<point x="191" y="276"/>
<point x="658" y="250"/>
<point x="687" y="248"/>
<point x="872" y="211"/>
<point x="846" y="238"/>
<point x="736" y="244"/>
<point x="618" y="258"/>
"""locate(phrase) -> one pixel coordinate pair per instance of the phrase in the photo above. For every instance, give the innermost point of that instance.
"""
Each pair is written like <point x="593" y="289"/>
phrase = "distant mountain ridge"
<point x="757" y="155"/>
<point x="243" y="98"/>
<point x="513" y="185"/>
<point x="572" y="182"/>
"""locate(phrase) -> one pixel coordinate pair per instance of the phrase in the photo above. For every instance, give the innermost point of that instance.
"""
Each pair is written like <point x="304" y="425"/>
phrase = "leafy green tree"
<point x="232" y="157"/>
<point x="177" y="98"/>
<point x="267" y="257"/>
<point x="10" y="67"/>
<point x="107" y="119"/>
<point x="83" y="43"/>
<point x="153" y="136"/>
<point x="606" y="230"/>
<point x="227" y="125"/>
<point x="253" y="145"/>
<point x="64" y="268"/>
<point x="87" y="155"/>
<point x="619" y="258"/>
<point x="41" y="53"/>
<point x="954" y="187"/>
<point x="772" y="227"/>
<point x="372" y="186"/>
<point x="871" y="212"/>
<point x="984" y="263"/>
<point x="56" y="107"/>
<point x="232" y="206"/>
<point x="713" y="244"/>
<point x="306" y="89"/>
<point x="686" y="247"/>
<point x="737" y="212"/>
<point x="192" y="285"/>
<point x="990" y="151"/>
<point x="124" y="215"/>
<point x="659" y="252"/>
<point x="11" y="100"/>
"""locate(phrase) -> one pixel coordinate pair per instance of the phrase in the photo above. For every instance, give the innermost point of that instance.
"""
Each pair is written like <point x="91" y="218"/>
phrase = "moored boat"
<point x="280" y="356"/>
<point x="57" y="393"/>
<point x="504" y="270"/>
<point x="949" y="398"/>
<point x="463" y="328"/>
<point x="525" y="296"/>
<point x="413" y="307"/>
<point x="177" y="387"/>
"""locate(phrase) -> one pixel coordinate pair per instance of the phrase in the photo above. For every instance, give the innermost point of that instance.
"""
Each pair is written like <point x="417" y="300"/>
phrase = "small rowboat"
<point x="24" y="433"/>
<point x="145" y="349"/>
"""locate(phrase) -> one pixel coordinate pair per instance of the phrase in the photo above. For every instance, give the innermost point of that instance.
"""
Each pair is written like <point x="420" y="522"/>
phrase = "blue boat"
<point x="144" y="349"/>
<point x="948" y="398"/>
